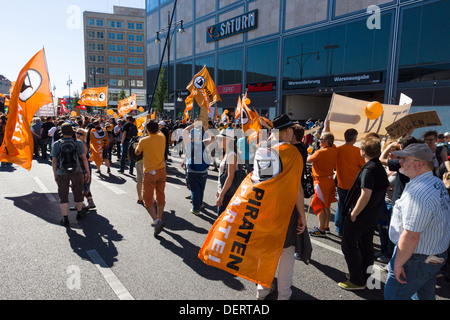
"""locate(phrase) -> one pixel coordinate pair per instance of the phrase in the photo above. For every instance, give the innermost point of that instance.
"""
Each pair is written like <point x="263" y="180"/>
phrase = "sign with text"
<point x="243" y="23"/>
<point x="413" y="121"/>
<point x="262" y="86"/>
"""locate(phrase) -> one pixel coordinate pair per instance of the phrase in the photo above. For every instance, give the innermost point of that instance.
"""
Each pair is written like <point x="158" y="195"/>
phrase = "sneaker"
<point x="383" y="259"/>
<point x="91" y="204"/>
<point x="348" y="285"/>
<point x="316" y="232"/>
<point x="195" y="212"/>
<point x="327" y="230"/>
<point x="159" y="227"/>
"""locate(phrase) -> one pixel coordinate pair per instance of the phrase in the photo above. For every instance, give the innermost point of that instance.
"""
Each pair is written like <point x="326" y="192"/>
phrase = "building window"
<point x="425" y="43"/>
<point x="121" y="71"/>
<point x="120" y="36"/>
<point x="139" y="61"/>
<point x="119" y="24"/>
<point x="101" y="82"/>
<point x="101" y="58"/>
<point x="131" y="49"/>
<point x="112" y="47"/>
<point x="131" y="72"/>
<point x="267" y="71"/>
<point x="113" y="82"/>
<point x="139" y="49"/>
<point x="91" y="22"/>
<point x="131" y="37"/>
<point x="230" y="67"/>
<point x="120" y="48"/>
<point x="111" y="24"/>
<point x="111" y="36"/>
<point x="112" y="71"/>
<point x="91" y="34"/>
<point x="99" y="23"/>
<point x="120" y="60"/>
<point x="140" y="83"/>
<point x="139" y="38"/>
<point x="91" y="46"/>
<point x="131" y="25"/>
<point x="139" y="72"/>
<point x="131" y="60"/>
<point x="100" y="35"/>
<point x="139" y="26"/>
<point x="100" y="47"/>
<point x="92" y="58"/>
<point x="112" y="59"/>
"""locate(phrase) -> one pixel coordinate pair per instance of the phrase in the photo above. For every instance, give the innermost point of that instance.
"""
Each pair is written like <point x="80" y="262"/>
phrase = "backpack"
<point x="132" y="132"/>
<point x="132" y="151"/>
<point x="69" y="157"/>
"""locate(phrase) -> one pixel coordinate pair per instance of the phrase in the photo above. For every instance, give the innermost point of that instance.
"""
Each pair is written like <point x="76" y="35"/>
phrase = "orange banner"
<point x="95" y="97"/>
<point x="31" y="91"/>
<point x="204" y="90"/>
<point x="126" y="105"/>
<point x="248" y="237"/>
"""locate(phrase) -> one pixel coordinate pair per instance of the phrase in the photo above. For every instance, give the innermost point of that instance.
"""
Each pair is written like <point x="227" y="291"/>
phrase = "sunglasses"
<point x="80" y="133"/>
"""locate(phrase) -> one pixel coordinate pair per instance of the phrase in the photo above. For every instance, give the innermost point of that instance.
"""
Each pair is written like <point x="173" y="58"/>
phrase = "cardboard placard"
<point x="413" y="121"/>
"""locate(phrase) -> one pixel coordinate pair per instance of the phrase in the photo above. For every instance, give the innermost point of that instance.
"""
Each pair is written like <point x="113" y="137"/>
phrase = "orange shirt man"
<point x="348" y="165"/>
<point x="153" y="146"/>
<point x="323" y="165"/>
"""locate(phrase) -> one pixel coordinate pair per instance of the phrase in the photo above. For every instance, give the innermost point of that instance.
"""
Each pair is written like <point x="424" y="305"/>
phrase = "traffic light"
<point x="85" y="85"/>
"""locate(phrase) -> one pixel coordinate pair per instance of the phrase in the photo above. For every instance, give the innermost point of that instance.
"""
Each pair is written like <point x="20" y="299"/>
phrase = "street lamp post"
<point x="170" y="29"/>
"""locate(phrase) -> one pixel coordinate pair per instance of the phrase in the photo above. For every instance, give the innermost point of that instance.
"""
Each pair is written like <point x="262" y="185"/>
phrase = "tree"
<point x="160" y="93"/>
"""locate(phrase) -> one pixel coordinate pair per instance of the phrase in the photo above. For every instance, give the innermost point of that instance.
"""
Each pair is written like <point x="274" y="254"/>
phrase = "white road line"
<point x="109" y="276"/>
<point x="113" y="188"/>
<point x="45" y="189"/>
<point x="326" y="246"/>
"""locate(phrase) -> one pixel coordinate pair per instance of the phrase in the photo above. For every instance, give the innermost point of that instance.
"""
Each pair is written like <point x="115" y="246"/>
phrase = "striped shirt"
<point x="423" y="207"/>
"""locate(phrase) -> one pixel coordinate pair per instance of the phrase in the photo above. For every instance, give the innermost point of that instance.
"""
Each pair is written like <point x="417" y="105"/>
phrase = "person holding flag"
<point x="251" y="237"/>
<point x="99" y="143"/>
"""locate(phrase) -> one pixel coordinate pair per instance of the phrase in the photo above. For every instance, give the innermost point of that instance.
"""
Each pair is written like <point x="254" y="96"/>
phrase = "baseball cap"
<point x="416" y="150"/>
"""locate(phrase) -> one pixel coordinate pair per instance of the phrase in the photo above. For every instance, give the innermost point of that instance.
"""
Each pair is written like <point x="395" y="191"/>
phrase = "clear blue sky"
<point x="57" y="25"/>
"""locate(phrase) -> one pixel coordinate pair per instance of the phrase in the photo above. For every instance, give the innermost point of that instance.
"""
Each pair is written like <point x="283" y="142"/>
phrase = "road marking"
<point x="45" y="189"/>
<point x="109" y="276"/>
<point x="114" y="189"/>
<point x="323" y="245"/>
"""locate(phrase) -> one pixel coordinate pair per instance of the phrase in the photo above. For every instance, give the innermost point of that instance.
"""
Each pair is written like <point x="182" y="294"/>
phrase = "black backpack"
<point x="132" y="131"/>
<point x="131" y="149"/>
<point x="69" y="157"/>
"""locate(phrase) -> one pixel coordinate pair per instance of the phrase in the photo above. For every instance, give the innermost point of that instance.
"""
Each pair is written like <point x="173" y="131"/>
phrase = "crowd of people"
<point x="397" y="188"/>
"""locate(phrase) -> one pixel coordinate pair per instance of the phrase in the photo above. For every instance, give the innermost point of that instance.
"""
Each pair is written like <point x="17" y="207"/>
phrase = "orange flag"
<point x="248" y="237"/>
<point x="238" y="112"/>
<point x="189" y="105"/>
<point x="250" y="119"/>
<point x="94" y="97"/>
<point x="204" y="90"/>
<point x="140" y="123"/>
<point x="31" y="91"/>
<point x="126" y="105"/>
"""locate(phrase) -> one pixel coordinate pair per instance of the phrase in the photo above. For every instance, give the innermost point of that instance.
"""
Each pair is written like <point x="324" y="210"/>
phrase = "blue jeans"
<point x="123" y="159"/>
<point x="197" y="183"/>
<point x="338" y="216"/>
<point x="420" y="277"/>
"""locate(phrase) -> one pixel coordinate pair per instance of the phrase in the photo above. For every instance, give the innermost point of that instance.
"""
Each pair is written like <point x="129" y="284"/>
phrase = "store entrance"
<point x="315" y="106"/>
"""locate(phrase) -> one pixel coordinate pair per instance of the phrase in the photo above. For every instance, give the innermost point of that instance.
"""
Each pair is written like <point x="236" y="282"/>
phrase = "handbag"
<point x="307" y="183"/>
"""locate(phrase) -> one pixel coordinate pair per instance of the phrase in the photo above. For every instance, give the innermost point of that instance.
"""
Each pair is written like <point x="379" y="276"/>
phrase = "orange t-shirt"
<point x="324" y="162"/>
<point x="348" y="164"/>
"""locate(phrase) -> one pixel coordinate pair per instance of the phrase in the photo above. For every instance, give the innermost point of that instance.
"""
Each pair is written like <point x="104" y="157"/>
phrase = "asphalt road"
<point x="112" y="254"/>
